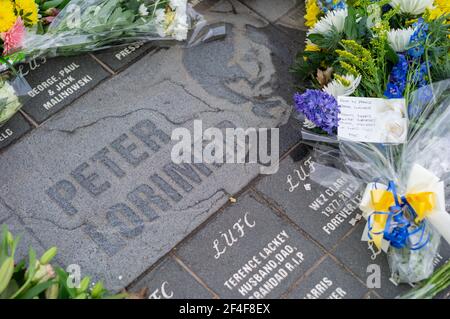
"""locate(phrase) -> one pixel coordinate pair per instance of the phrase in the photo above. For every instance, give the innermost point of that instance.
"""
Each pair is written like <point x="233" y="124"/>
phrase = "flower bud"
<point x="48" y="255"/>
<point x="97" y="291"/>
<point x="53" y="12"/>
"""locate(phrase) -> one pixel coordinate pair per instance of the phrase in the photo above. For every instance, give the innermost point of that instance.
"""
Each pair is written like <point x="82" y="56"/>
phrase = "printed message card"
<point x="372" y="120"/>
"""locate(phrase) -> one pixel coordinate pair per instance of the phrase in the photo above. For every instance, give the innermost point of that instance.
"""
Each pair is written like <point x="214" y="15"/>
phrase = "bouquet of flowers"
<point x="364" y="48"/>
<point x="391" y="58"/>
<point x="18" y="17"/>
<point x="64" y="27"/>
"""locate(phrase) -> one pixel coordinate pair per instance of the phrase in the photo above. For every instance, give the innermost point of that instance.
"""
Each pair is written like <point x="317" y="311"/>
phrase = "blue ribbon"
<point x="400" y="224"/>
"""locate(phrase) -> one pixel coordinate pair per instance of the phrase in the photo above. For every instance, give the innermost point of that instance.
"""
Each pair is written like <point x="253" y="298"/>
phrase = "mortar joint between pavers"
<point x="102" y="64"/>
<point x="193" y="274"/>
<point x="305" y="275"/>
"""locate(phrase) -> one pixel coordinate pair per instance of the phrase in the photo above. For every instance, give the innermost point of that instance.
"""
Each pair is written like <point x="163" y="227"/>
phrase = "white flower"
<point x="415" y="7"/>
<point x="399" y="38"/>
<point x="337" y="88"/>
<point x="9" y="102"/>
<point x="160" y="20"/>
<point x="175" y="4"/>
<point x="335" y="18"/>
<point x="143" y="11"/>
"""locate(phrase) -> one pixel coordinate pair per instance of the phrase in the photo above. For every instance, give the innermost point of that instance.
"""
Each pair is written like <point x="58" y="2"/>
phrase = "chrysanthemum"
<point x="343" y="86"/>
<point x="7" y="16"/>
<point x="332" y="20"/>
<point x="415" y="7"/>
<point x="399" y="39"/>
<point x="320" y="108"/>
<point x="28" y="9"/>
<point x="12" y="39"/>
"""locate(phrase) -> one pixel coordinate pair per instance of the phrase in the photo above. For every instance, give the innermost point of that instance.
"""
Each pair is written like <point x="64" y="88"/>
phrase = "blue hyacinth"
<point x="320" y="108"/>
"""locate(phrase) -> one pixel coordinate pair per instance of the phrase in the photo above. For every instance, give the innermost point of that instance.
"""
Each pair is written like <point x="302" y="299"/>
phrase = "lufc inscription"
<point x="55" y="83"/>
<point x="143" y="203"/>
<point x="320" y="199"/>
<point x="250" y="252"/>
<point x="337" y="202"/>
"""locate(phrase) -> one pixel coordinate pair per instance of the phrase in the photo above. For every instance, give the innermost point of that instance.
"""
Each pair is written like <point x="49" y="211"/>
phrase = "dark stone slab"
<point x="121" y="57"/>
<point x="290" y="134"/>
<point x="269" y="9"/>
<point x="58" y="82"/>
<point x="327" y="211"/>
<point x="169" y="280"/>
<point x="249" y="267"/>
<point x="13" y="130"/>
<point x="355" y="255"/>
<point x="329" y="281"/>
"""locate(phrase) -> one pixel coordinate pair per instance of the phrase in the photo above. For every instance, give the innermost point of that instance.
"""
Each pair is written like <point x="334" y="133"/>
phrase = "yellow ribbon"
<point x="423" y="204"/>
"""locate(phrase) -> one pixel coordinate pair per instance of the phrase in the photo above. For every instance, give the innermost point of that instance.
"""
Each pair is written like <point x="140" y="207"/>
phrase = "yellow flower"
<point x="7" y="16"/>
<point x="312" y="13"/>
<point x="28" y="10"/>
<point x="441" y="7"/>
<point x="311" y="47"/>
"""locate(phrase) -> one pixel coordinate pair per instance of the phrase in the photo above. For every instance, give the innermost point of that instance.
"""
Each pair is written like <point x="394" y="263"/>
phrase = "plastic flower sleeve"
<point x="417" y="173"/>
<point x="89" y="25"/>
<point x="13" y="94"/>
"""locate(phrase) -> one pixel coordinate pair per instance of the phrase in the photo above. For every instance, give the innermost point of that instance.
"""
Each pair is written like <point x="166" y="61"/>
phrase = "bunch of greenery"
<point x="38" y="279"/>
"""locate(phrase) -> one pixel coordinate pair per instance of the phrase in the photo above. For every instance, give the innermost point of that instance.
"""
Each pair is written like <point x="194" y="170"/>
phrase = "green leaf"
<point x="10" y="290"/>
<point x="36" y="290"/>
<point x="6" y="273"/>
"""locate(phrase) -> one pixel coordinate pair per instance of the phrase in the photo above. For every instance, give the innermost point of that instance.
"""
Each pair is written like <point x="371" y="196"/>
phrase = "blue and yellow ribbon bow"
<point x="396" y="218"/>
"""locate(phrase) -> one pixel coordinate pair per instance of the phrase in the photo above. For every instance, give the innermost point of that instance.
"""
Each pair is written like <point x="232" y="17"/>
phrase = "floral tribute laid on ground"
<point x="37" y="28"/>
<point x="374" y="82"/>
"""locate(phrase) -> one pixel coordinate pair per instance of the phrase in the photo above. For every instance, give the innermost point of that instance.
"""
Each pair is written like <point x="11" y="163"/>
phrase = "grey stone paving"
<point x="92" y="173"/>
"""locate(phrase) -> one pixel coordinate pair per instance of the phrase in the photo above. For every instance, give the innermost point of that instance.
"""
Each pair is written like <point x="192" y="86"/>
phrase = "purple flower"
<point x="320" y="108"/>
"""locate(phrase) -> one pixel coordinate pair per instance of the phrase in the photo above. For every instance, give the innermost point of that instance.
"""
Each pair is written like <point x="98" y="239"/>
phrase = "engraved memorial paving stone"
<point x="170" y="281"/>
<point x="247" y="251"/>
<point x="97" y="179"/>
<point x="122" y="56"/>
<point x="270" y="10"/>
<point x="57" y="82"/>
<point x="329" y="281"/>
<point x="355" y="254"/>
<point x="326" y="212"/>
<point x="13" y="130"/>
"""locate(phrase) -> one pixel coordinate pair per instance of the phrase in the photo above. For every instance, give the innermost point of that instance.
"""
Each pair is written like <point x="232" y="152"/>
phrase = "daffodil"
<point x="28" y="10"/>
<point x="7" y="16"/>
<point x="312" y="13"/>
